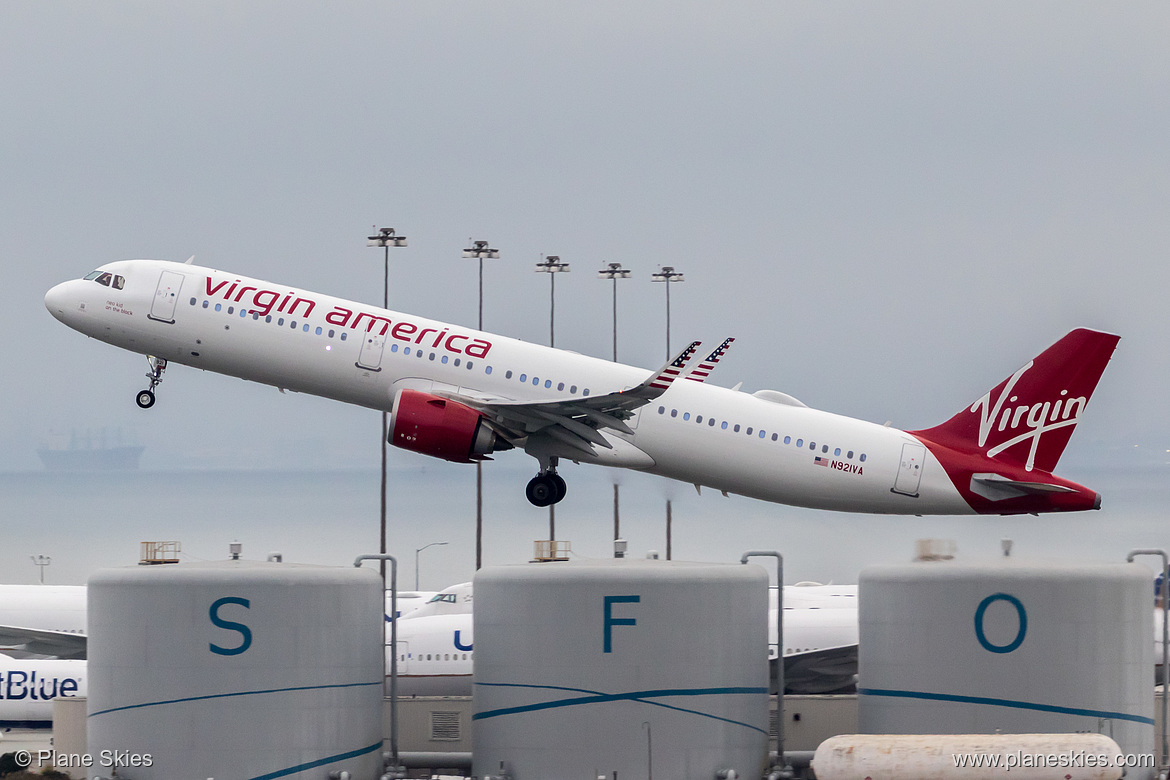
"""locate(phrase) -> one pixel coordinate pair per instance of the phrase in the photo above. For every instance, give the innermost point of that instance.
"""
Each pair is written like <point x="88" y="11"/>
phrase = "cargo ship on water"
<point x="91" y="451"/>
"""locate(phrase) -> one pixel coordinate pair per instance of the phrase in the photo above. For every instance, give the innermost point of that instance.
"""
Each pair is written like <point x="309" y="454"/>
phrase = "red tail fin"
<point x="1027" y="420"/>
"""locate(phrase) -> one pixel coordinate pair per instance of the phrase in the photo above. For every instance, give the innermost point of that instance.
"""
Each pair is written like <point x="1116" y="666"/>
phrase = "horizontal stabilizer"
<point x="994" y="487"/>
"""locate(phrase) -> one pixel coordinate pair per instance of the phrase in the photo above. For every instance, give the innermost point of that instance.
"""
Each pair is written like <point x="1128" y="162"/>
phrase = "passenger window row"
<point x="243" y="313"/>
<point x="406" y="351"/>
<point x="523" y="378"/>
<point x="762" y="434"/>
<point x="437" y="656"/>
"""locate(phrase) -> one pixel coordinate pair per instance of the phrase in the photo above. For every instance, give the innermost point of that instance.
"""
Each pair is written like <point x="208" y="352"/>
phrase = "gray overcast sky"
<point x="892" y="206"/>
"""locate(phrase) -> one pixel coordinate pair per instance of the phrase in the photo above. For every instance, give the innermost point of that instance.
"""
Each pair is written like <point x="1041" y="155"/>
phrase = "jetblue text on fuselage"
<point x="16" y="685"/>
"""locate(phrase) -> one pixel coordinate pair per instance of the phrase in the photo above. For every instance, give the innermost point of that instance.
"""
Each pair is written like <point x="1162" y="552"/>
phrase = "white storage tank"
<point x="236" y="669"/>
<point x="1011" y="646"/>
<point x="621" y="666"/>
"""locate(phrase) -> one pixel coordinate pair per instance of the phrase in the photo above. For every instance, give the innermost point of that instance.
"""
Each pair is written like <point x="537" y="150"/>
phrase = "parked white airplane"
<point x="460" y="394"/>
<point x="436" y="650"/>
<point x="454" y="600"/>
<point x="27" y="688"/>
<point x="40" y="620"/>
<point x="43" y="620"/>
<point x="408" y="602"/>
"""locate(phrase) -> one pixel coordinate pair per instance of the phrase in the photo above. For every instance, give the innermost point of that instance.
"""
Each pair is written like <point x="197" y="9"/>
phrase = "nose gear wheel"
<point x="145" y="398"/>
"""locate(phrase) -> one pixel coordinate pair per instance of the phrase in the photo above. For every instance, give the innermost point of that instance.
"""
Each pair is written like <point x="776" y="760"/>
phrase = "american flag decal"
<point x="818" y="460"/>
<point x="667" y="375"/>
<point x="707" y="365"/>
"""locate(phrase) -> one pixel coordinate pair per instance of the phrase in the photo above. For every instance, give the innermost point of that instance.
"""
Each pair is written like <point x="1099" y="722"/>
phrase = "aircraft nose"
<point x="57" y="300"/>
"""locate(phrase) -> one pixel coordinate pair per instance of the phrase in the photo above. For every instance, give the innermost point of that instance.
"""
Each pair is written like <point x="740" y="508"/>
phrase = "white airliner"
<point x="43" y="620"/>
<point x="28" y="687"/>
<point x="436" y="649"/>
<point x="461" y="394"/>
<point x="454" y="600"/>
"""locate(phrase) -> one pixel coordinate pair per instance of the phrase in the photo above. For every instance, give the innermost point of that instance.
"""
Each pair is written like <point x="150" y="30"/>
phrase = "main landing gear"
<point x="145" y="399"/>
<point x="547" y="487"/>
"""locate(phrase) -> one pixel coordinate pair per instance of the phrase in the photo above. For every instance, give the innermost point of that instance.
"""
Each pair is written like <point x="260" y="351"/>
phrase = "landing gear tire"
<point x="145" y="399"/>
<point x="545" y="489"/>
<point x="541" y="490"/>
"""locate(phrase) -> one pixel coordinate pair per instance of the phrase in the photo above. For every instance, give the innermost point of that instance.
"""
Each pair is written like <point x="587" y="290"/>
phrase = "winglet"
<point x="705" y="366"/>
<point x="671" y="371"/>
<point x="190" y="260"/>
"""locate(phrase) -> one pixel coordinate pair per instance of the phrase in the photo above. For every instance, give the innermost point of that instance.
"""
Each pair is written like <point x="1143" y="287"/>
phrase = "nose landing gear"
<point x="145" y="399"/>
<point x="547" y="487"/>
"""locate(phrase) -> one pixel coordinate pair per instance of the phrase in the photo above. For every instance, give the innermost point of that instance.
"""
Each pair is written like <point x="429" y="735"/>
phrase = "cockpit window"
<point x="449" y="598"/>
<point x="107" y="279"/>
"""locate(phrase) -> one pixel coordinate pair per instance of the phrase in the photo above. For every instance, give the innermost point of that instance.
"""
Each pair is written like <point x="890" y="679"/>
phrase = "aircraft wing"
<point x="18" y="641"/>
<point x="574" y="423"/>
<point x="824" y="671"/>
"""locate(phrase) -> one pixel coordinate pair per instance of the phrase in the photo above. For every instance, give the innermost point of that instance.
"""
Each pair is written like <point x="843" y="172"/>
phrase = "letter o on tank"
<point x="981" y="612"/>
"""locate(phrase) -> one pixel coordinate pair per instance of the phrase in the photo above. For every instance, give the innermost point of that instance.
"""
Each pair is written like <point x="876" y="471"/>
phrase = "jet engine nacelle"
<point x="441" y="428"/>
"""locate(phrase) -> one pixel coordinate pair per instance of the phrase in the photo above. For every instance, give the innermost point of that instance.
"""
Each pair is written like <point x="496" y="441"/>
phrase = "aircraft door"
<point x="166" y="295"/>
<point x="910" y="470"/>
<point x="404" y="659"/>
<point x="370" y="357"/>
<point x="404" y="656"/>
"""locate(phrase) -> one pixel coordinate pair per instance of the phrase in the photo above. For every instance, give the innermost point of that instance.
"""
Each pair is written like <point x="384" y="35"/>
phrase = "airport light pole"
<point x="416" y="552"/>
<point x="668" y="275"/>
<point x="42" y="561"/>
<point x="385" y="238"/>
<point x="480" y="250"/>
<point x="614" y="271"/>
<point x="552" y="266"/>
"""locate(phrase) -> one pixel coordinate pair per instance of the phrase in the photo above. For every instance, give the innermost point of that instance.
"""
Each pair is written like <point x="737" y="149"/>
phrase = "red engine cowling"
<point x="440" y="427"/>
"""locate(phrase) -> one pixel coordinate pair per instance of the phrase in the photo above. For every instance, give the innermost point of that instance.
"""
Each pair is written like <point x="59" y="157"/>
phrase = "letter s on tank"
<point x="230" y="625"/>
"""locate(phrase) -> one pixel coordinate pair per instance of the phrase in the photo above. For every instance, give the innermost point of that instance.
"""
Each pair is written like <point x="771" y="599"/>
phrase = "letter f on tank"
<point x="611" y="621"/>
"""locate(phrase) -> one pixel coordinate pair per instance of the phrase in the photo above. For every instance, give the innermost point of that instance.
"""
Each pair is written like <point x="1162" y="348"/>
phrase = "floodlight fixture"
<point x="386" y="237"/>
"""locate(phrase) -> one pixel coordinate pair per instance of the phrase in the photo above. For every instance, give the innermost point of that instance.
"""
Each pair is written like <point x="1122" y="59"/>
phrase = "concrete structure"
<point x="236" y="669"/>
<point x="1011" y="646"/>
<point x="630" y="666"/>
<point x="968" y="757"/>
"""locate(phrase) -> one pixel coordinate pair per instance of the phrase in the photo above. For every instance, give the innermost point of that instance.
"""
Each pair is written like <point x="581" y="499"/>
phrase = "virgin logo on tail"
<point x="1038" y="406"/>
<point x="1038" y="418"/>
